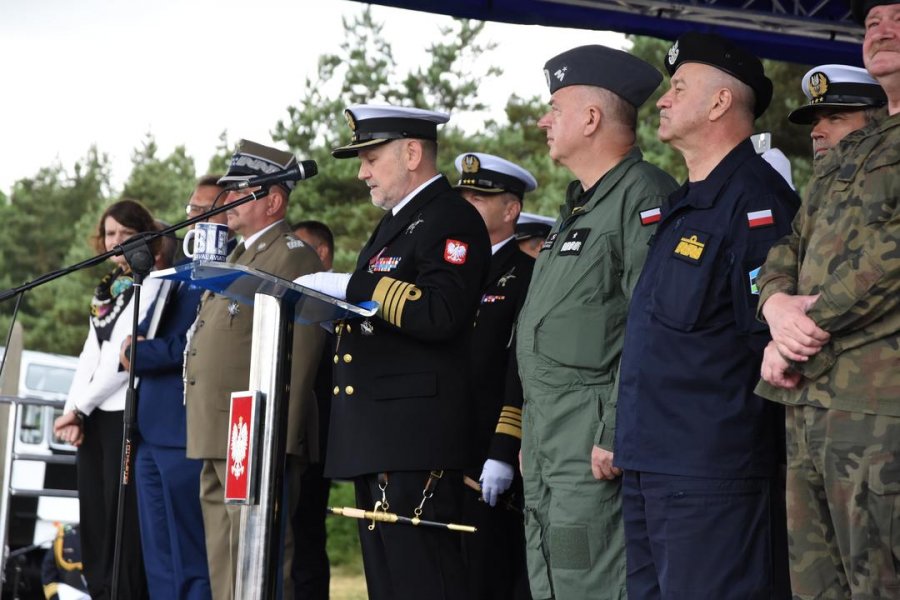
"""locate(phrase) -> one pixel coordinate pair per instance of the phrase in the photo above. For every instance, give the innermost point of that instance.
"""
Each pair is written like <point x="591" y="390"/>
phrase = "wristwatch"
<point x="79" y="415"/>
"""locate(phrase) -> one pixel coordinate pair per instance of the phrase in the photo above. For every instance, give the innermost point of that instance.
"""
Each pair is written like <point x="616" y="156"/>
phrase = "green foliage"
<point x="45" y="224"/>
<point x="366" y="70"/>
<point x="162" y="185"/>
<point x="343" y="536"/>
<point x="219" y="162"/>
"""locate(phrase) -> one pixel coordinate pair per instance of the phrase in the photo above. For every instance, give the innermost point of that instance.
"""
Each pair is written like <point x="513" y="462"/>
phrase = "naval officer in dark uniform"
<point x="400" y="413"/>
<point x="698" y="448"/>
<point x="495" y="554"/>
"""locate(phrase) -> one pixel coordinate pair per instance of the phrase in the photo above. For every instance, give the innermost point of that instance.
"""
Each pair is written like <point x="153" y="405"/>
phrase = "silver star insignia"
<point x="233" y="308"/>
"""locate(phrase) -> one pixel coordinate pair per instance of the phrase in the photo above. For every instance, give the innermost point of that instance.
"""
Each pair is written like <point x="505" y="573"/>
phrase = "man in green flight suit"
<point x="569" y="334"/>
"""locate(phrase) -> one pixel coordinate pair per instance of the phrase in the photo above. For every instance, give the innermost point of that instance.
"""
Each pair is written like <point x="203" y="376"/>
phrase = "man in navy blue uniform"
<point x="495" y="554"/>
<point x="401" y="411"/>
<point x="698" y="448"/>
<point x="167" y="481"/>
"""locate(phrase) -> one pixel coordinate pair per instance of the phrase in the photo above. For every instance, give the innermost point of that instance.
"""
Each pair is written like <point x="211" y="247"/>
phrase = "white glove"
<point x="496" y="477"/>
<point x="330" y="284"/>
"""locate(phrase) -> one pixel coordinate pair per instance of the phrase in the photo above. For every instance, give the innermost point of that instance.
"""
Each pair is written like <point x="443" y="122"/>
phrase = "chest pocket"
<point x="879" y="195"/>
<point x="684" y="278"/>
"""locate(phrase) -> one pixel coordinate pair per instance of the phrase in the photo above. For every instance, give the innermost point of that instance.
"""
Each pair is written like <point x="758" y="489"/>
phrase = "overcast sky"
<point x="106" y="72"/>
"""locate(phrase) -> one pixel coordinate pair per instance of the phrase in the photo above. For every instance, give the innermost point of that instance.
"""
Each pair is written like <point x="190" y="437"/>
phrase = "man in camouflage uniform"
<point x="830" y="292"/>
<point x="569" y="333"/>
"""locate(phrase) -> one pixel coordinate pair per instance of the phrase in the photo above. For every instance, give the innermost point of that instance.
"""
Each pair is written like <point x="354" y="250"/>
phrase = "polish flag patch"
<point x="455" y="252"/>
<point x="649" y="217"/>
<point x="760" y="218"/>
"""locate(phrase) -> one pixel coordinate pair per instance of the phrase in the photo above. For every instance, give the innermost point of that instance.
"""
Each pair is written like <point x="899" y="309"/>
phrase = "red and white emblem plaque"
<point x="240" y="479"/>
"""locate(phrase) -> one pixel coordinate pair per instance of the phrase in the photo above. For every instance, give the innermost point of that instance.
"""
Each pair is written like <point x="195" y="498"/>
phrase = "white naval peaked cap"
<point x="837" y="86"/>
<point x="491" y="174"/>
<point x="374" y="124"/>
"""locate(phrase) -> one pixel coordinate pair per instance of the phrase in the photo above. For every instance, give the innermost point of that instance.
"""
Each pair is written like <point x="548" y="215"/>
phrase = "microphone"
<point x="302" y="170"/>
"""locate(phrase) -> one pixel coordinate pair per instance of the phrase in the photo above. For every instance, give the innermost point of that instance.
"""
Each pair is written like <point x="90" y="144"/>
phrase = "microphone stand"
<point x="137" y="253"/>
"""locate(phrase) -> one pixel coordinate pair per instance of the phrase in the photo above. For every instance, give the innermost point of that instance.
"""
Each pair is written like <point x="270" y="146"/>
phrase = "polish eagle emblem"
<point x="239" y="442"/>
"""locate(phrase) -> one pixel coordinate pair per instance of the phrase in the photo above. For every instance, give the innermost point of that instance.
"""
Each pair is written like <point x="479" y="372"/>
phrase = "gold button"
<point x="347" y="358"/>
<point x="349" y="390"/>
<point x="337" y="390"/>
<point x="335" y="359"/>
<point x="349" y="329"/>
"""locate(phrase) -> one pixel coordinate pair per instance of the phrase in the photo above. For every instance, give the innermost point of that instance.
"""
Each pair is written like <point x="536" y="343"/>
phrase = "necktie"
<point x="236" y="254"/>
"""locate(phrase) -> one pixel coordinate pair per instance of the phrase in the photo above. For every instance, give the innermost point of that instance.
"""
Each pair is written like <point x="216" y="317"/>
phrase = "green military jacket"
<point x="217" y="358"/>
<point x="574" y="314"/>
<point x="845" y="245"/>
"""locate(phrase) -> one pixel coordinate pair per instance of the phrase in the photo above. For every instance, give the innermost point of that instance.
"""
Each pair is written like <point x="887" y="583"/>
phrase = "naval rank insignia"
<point x="574" y="242"/>
<point x="367" y="328"/>
<point x="234" y="308"/>
<point x="690" y="247"/>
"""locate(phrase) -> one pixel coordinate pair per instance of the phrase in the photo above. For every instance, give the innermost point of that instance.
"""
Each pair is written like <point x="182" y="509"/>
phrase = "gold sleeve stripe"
<point x="51" y="589"/>
<point x="515" y="432"/>
<point x="392" y="294"/>
<point x="510" y="421"/>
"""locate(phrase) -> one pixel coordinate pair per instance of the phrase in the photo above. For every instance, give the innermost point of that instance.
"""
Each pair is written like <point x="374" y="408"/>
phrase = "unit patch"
<point x="456" y="252"/>
<point x="548" y="243"/>
<point x="385" y="264"/>
<point x="491" y="298"/>
<point x="690" y="248"/>
<point x="760" y="218"/>
<point x="649" y="217"/>
<point x="753" y="276"/>
<point x="573" y="242"/>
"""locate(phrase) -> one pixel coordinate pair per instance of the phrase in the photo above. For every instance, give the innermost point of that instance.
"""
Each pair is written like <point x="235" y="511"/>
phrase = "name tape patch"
<point x="574" y="242"/>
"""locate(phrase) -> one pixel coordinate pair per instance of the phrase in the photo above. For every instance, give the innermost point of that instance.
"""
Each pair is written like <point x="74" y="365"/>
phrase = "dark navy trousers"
<point x="168" y="487"/>
<point x="694" y="538"/>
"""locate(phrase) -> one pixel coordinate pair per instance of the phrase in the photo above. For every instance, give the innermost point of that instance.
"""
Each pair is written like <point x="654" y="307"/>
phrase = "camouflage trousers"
<point x="843" y="503"/>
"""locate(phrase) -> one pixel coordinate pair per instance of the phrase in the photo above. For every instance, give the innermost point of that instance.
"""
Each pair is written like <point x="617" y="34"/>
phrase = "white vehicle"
<point x="45" y="379"/>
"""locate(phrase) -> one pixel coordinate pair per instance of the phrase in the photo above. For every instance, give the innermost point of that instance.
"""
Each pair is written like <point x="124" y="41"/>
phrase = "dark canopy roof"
<point x="802" y="31"/>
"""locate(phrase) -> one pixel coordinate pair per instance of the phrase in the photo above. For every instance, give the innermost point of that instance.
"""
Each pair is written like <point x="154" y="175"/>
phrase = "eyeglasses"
<point x="196" y="208"/>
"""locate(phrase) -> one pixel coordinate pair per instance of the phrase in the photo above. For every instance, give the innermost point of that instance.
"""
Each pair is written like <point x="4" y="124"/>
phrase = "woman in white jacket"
<point x="92" y="419"/>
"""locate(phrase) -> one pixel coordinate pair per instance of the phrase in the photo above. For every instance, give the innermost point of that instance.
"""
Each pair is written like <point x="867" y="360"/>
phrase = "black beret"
<point x="721" y="53"/>
<point x="861" y="8"/>
<point x="614" y="70"/>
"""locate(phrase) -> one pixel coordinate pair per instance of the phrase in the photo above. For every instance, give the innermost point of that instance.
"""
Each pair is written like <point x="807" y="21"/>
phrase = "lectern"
<point x="277" y="305"/>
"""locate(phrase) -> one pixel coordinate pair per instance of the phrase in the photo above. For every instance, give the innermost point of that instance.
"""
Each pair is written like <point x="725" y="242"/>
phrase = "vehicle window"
<point x="44" y="378"/>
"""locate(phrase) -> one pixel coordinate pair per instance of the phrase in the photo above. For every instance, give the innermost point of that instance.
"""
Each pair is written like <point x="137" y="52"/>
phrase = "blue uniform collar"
<point x="703" y="194"/>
